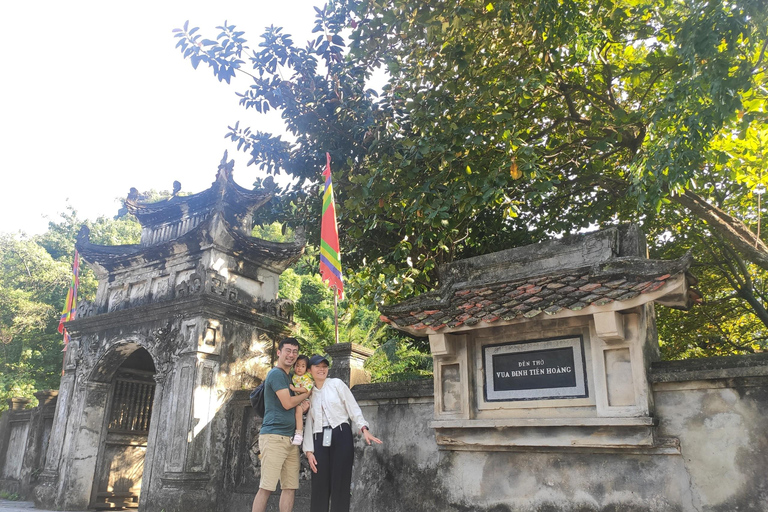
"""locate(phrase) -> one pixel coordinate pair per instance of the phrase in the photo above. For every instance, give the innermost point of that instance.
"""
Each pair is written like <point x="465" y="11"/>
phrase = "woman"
<point x="328" y="440"/>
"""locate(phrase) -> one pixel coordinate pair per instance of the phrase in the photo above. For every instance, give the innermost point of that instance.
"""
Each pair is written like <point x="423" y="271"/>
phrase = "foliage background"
<point x="36" y="274"/>
<point x="504" y="123"/>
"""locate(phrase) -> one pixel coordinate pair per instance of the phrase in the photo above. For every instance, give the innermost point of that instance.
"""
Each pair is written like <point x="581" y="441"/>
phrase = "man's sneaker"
<point x="298" y="437"/>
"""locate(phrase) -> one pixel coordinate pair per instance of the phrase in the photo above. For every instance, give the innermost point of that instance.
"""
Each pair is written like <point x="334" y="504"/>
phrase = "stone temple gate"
<point x="181" y="321"/>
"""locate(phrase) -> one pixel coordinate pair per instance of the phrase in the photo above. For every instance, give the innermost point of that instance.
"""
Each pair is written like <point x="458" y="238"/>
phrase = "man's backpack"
<point x="257" y="400"/>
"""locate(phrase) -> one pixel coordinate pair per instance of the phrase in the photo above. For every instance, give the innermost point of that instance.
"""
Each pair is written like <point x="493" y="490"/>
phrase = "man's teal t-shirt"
<point x="277" y="420"/>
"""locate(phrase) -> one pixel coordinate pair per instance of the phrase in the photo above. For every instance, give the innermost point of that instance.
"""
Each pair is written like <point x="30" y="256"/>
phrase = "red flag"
<point x="68" y="313"/>
<point x="330" y="255"/>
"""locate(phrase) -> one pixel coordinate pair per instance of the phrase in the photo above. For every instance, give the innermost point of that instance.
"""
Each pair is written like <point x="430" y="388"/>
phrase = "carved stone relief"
<point x="254" y="454"/>
<point x="279" y="308"/>
<point x="219" y="287"/>
<point x="188" y="283"/>
<point x="165" y="346"/>
<point x="85" y="309"/>
<point x="90" y="344"/>
<point x="73" y="354"/>
<point x="195" y="283"/>
<point x="283" y="309"/>
<point x="210" y="335"/>
<point x="189" y="333"/>
<point x="116" y="298"/>
<point x="138" y="292"/>
<point x="160" y="287"/>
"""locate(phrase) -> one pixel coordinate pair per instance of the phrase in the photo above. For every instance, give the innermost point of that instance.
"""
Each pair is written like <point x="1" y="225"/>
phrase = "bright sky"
<point x="95" y="99"/>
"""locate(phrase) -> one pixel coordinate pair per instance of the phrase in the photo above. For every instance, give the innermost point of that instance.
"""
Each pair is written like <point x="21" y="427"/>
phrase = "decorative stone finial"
<point x="225" y="166"/>
<point x="299" y="234"/>
<point x="269" y="184"/>
<point x="83" y="235"/>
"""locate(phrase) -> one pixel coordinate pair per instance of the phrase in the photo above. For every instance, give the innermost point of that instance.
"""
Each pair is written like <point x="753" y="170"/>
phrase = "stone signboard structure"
<point x="181" y="321"/>
<point x="547" y="345"/>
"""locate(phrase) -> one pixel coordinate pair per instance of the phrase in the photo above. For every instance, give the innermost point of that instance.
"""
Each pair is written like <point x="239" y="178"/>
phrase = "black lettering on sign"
<point x="538" y="369"/>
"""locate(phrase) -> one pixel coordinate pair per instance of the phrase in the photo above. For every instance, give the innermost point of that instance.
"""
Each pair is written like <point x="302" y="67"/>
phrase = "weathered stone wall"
<point x="242" y="465"/>
<point x="718" y="409"/>
<point x="24" y="435"/>
<point x="713" y="415"/>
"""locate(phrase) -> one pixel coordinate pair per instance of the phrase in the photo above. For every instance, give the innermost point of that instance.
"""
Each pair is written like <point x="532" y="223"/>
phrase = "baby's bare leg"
<point x="299" y="419"/>
<point x="298" y="436"/>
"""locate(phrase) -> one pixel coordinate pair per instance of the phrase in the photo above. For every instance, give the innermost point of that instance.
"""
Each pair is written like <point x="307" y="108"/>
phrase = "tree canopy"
<point x="36" y="274"/>
<point x="502" y="123"/>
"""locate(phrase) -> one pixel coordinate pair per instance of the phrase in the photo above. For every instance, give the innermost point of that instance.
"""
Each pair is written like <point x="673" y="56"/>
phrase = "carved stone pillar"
<point x="348" y="360"/>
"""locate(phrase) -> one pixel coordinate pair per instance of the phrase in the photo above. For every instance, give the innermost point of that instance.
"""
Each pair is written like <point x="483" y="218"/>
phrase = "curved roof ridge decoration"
<point x="219" y="216"/>
<point x="277" y="256"/>
<point x="518" y="284"/>
<point x="225" y="195"/>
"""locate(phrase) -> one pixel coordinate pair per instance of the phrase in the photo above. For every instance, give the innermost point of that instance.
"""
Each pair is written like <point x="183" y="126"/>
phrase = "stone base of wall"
<point x="712" y="417"/>
<point x="11" y="486"/>
<point x="711" y="414"/>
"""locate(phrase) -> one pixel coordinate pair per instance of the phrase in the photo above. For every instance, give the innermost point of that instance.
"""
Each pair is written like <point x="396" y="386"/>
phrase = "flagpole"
<point x="330" y="255"/>
<point x="336" y="312"/>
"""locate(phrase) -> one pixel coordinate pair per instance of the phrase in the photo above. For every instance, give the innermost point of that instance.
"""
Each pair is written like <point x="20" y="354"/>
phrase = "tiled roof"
<point x="276" y="256"/>
<point x="237" y="203"/>
<point x="573" y="289"/>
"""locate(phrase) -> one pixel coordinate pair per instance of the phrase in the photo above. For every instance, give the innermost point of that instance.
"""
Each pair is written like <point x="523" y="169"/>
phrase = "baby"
<point x="301" y="382"/>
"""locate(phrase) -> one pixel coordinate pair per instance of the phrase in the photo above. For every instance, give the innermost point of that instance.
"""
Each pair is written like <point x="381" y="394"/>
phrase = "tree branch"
<point x="741" y="281"/>
<point x="604" y="99"/>
<point x="730" y="228"/>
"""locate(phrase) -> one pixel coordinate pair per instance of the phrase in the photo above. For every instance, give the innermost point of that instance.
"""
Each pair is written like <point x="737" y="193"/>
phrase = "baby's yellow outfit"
<point x="303" y="381"/>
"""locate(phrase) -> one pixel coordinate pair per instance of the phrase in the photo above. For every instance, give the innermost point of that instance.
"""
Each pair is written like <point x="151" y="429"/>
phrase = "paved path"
<point x="19" y="506"/>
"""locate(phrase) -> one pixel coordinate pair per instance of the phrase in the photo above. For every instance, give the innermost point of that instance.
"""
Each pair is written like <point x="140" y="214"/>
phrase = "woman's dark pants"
<point x="333" y="479"/>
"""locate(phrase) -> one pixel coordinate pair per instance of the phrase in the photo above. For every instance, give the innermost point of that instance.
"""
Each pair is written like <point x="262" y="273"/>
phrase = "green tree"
<point x="584" y="101"/>
<point x="36" y="274"/>
<point x="32" y="283"/>
<point x="399" y="358"/>
<point x="395" y="358"/>
<point x="503" y="123"/>
<point x="734" y="314"/>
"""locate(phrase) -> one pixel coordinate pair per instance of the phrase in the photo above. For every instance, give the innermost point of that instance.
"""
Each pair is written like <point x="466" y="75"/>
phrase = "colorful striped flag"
<point x="68" y="313"/>
<point x="330" y="256"/>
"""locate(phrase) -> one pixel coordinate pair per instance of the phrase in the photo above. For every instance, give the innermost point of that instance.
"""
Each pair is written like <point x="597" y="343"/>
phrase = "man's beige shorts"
<point x="279" y="461"/>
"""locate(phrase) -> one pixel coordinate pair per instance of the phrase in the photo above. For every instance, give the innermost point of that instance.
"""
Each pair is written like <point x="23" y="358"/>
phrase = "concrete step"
<point x="111" y="505"/>
<point x="123" y="494"/>
<point x="116" y="500"/>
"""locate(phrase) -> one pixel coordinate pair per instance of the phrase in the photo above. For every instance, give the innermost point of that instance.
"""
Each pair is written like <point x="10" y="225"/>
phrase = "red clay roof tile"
<point x="529" y="297"/>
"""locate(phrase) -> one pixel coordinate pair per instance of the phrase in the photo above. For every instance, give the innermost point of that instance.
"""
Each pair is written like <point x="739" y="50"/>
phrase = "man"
<point x="279" y="458"/>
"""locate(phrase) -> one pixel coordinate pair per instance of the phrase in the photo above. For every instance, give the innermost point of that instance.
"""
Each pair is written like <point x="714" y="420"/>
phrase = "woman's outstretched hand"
<point x="370" y="437"/>
<point x="313" y="461"/>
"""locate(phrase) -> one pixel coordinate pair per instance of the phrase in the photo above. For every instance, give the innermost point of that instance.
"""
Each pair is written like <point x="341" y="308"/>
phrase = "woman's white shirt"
<point x="336" y="402"/>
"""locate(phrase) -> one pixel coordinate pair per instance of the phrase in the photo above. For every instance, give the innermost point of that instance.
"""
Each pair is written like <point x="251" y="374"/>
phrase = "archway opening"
<point x="124" y="443"/>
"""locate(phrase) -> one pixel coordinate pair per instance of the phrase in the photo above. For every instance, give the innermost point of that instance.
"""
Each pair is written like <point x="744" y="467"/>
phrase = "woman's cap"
<point x="317" y="359"/>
